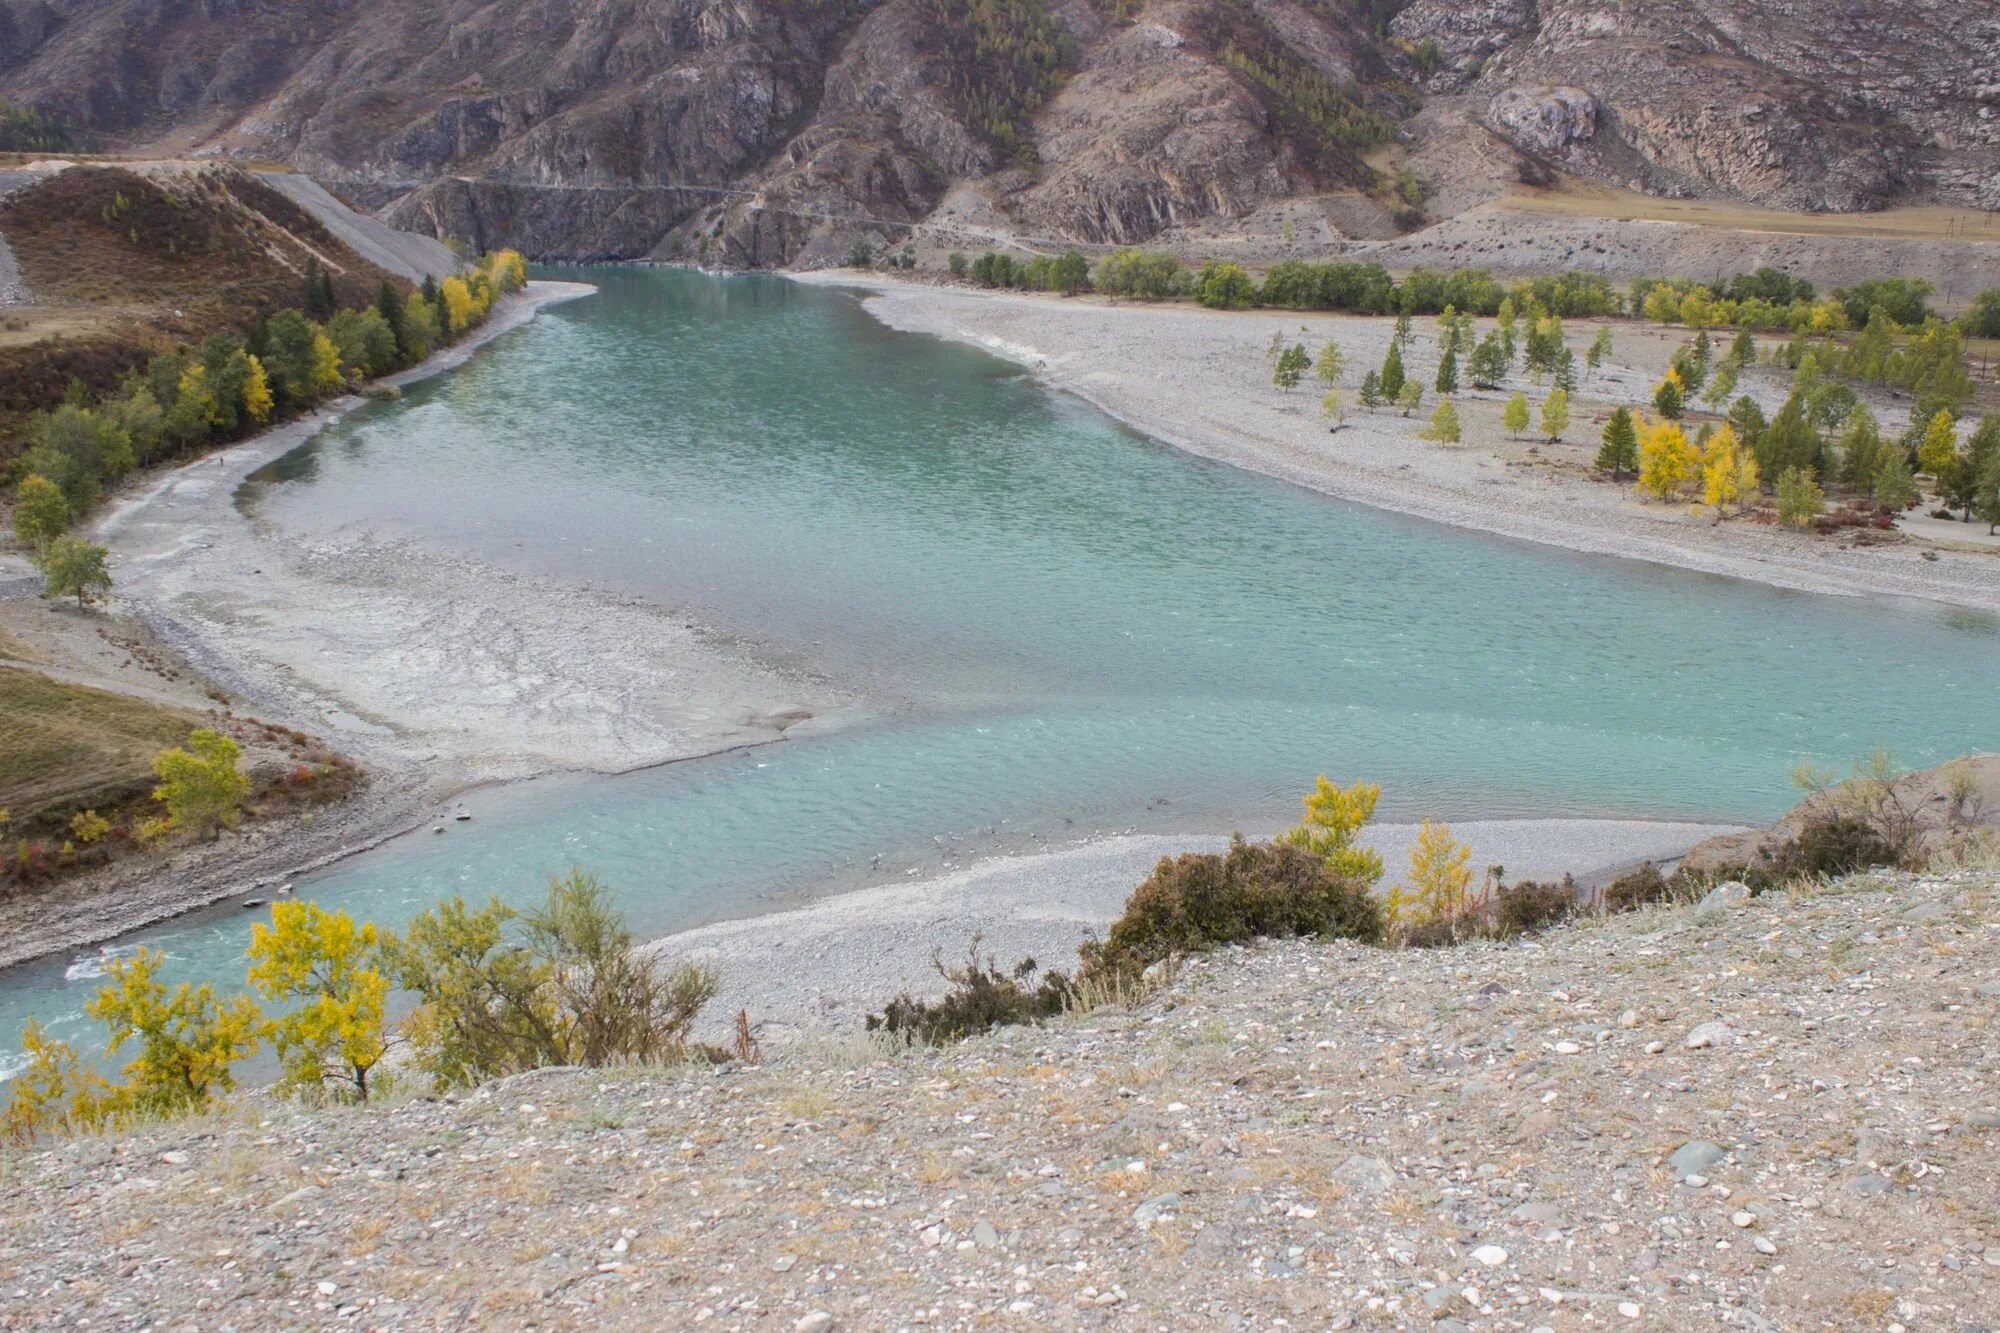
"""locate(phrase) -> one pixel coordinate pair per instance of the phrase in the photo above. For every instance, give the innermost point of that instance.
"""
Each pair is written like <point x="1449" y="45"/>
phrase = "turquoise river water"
<point x="1058" y="626"/>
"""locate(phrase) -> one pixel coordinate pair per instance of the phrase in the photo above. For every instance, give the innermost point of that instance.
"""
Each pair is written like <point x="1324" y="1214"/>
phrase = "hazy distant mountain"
<point x="582" y="128"/>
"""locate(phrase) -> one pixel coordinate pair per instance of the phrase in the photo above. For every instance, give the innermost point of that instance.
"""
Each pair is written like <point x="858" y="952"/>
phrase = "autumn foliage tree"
<point x="1666" y="459"/>
<point x="200" y="784"/>
<point x="1435" y="891"/>
<point x="330" y="972"/>
<point x="1333" y="818"/>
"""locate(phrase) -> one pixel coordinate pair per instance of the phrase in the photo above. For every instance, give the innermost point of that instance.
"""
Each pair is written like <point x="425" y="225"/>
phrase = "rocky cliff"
<point x="766" y="131"/>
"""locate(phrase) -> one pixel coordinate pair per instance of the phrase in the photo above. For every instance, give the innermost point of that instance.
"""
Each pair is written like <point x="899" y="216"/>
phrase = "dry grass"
<point x="1576" y="198"/>
<point x="69" y="746"/>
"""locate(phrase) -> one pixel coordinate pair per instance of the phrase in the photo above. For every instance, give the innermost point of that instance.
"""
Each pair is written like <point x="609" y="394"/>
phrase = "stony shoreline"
<point x="1198" y="380"/>
<point x="388" y="653"/>
<point x="1772" y="1114"/>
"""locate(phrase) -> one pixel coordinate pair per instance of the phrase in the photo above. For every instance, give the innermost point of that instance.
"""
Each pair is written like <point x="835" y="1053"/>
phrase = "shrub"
<point x="979" y="998"/>
<point x="1524" y="908"/>
<point x="1200" y="900"/>
<point x="1636" y="889"/>
<point x="502" y="991"/>
<point x="1829" y="846"/>
<point x="200" y="785"/>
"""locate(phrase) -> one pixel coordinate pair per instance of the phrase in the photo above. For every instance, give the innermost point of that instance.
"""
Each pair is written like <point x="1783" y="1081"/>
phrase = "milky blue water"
<point x="1058" y="627"/>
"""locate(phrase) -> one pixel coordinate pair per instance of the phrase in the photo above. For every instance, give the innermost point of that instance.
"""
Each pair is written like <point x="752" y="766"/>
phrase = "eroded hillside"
<point x="747" y="131"/>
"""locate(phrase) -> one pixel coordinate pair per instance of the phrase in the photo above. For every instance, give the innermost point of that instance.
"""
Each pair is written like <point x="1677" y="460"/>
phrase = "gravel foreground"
<point x="1772" y="1114"/>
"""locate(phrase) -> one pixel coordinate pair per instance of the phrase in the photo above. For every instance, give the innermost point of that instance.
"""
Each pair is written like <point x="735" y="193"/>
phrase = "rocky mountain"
<point x="768" y="131"/>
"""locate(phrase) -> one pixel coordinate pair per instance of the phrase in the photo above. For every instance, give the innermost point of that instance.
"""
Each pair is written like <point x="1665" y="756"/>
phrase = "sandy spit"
<point x="1198" y="380"/>
<point x="830" y="962"/>
<point x="436" y="672"/>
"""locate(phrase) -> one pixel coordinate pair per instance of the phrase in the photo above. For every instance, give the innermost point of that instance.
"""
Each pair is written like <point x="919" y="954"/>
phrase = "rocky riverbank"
<point x="1199" y="380"/>
<point x="1778" y="1113"/>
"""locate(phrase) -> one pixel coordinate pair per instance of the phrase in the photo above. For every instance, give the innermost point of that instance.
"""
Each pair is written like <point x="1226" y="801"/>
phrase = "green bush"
<point x="1527" y="907"/>
<point x="1630" y="892"/>
<point x="1200" y="900"/>
<point x="979" y="998"/>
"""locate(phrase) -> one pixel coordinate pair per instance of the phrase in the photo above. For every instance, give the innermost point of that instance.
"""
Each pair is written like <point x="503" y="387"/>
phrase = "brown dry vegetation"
<point x="142" y="261"/>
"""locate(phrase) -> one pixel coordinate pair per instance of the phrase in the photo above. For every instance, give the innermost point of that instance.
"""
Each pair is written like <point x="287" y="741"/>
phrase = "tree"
<point x="257" y="393"/>
<point x="79" y="450"/>
<point x="1895" y="488"/>
<point x="1940" y="444"/>
<point x="73" y="567"/>
<point x="1487" y="366"/>
<point x="188" y="1041"/>
<point x="1720" y="474"/>
<point x="1666" y="460"/>
<point x="1070" y="273"/>
<point x="1334" y="815"/>
<point x="317" y="297"/>
<point x="332" y="972"/>
<point x="861" y="255"/>
<point x="1861" y="449"/>
<point x="1444" y="424"/>
<point x="1800" y="499"/>
<point x="327" y="377"/>
<point x="1743" y="349"/>
<point x="200" y="784"/>
<point x="366" y="343"/>
<point x="1371" y="390"/>
<point x="1411" y="398"/>
<point x="1721" y="384"/>
<point x="1565" y="373"/>
<point x="1292" y="364"/>
<point x="289" y="356"/>
<point x="1331" y="363"/>
<point x="1393" y="377"/>
<point x="1333" y="409"/>
<point x="1599" y="350"/>
<point x="1440" y="874"/>
<point x="40" y="513"/>
<point x="1669" y="397"/>
<point x="1555" y="414"/>
<point x="1447" y="376"/>
<point x="1986" y="499"/>
<point x="55" y="1094"/>
<point x="1545" y="347"/>
<point x="957" y="263"/>
<point x="1619" y="453"/>
<point x="1514" y="416"/>
<point x="456" y="302"/>
<point x="1225" y="286"/>
<point x="389" y="305"/>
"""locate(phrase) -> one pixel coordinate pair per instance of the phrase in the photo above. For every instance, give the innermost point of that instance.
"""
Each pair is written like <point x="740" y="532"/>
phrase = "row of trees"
<point x="227" y="386"/>
<point x="496" y="991"/>
<point x="1068" y="273"/>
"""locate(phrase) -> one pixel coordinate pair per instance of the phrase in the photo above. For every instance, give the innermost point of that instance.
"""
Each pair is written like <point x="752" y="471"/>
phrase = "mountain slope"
<point x="751" y="131"/>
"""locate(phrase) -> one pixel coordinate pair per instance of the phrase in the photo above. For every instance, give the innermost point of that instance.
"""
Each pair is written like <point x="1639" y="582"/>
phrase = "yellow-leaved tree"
<point x="1721" y="473"/>
<point x="456" y="298"/>
<point x="1666" y="459"/>
<point x="326" y="377"/>
<point x="1440" y="874"/>
<point x="333" y="973"/>
<point x="55" y="1094"/>
<point x="199" y="784"/>
<point x="187" y="1039"/>
<point x="257" y="392"/>
<point x="1334" y="815"/>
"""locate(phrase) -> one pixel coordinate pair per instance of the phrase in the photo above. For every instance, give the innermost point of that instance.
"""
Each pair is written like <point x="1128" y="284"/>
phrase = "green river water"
<point x="1058" y="627"/>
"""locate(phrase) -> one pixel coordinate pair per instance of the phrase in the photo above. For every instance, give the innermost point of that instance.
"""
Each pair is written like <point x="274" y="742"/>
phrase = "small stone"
<point x="1490" y="1255"/>
<point x="1540" y="1214"/>
<point x="1743" y="1219"/>
<point x="1724" y="896"/>
<point x="1763" y="1245"/>
<point x="1707" y="1035"/>
<point x="1365" y="1175"/>
<point x="1869" y="1186"/>
<point x="1988" y="990"/>
<point x="819" y="1321"/>
<point x="174" y="1158"/>
<point x="1655" y="1047"/>
<point x="1567" y="1048"/>
<point x="983" y="1233"/>
<point x="1630" y="1309"/>
<point x="1629" y="1019"/>
<point x="1153" y="1209"/>
<point x="326" y="1288"/>
<point x="1696" y="1156"/>
<point x="784" y="1262"/>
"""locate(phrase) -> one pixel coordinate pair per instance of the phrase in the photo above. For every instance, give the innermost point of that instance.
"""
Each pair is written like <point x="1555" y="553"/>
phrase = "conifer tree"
<point x="1895" y="489"/>
<point x="1940" y="444"/>
<point x="1514" y="416"/>
<point x="1487" y="366"/>
<point x="1371" y="390"/>
<point x="1444" y="424"/>
<point x="1619" y="453"/>
<point x="1447" y="376"/>
<point x="1392" y="371"/>
<point x="1330" y="364"/>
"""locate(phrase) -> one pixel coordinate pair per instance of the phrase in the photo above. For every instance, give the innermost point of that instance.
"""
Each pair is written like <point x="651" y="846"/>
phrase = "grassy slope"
<point x="70" y="746"/>
<point x="149" y="260"/>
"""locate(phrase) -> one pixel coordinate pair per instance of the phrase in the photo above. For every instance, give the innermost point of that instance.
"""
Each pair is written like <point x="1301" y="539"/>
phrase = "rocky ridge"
<point x="1756" y="1113"/>
<point x="765" y="132"/>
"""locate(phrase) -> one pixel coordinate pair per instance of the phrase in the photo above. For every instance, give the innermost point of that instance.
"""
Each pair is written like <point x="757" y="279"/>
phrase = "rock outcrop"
<point x="753" y="132"/>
